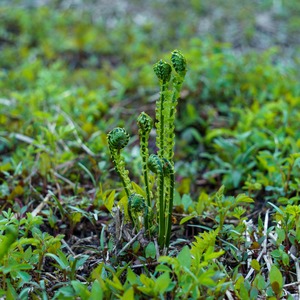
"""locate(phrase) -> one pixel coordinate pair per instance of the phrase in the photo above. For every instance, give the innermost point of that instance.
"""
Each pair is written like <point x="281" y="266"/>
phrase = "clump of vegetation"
<point x="161" y="163"/>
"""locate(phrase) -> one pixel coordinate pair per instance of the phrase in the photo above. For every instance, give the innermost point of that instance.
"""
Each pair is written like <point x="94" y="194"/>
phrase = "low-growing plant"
<point x="161" y="164"/>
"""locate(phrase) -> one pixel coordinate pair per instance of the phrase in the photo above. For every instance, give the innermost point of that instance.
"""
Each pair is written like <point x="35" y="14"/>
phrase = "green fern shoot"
<point x="161" y="164"/>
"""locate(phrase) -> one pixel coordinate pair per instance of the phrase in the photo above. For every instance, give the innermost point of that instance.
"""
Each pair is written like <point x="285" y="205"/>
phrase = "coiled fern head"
<point x="179" y="62"/>
<point x="167" y="167"/>
<point x="136" y="203"/>
<point x="155" y="164"/>
<point x="163" y="71"/>
<point x="118" y="138"/>
<point x="145" y="122"/>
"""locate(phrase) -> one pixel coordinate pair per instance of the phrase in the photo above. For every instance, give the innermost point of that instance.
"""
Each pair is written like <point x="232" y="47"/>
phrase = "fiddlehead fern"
<point x="161" y="164"/>
<point x="163" y="72"/>
<point x="136" y="207"/>
<point x="179" y="64"/>
<point x="145" y="124"/>
<point x="117" y="139"/>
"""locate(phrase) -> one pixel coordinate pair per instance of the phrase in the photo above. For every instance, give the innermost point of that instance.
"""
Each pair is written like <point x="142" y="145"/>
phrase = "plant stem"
<point x="144" y="152"/>
<point x="171" y="200"/>
<point x="161" y="220"/>
<point x="161" y="137"/>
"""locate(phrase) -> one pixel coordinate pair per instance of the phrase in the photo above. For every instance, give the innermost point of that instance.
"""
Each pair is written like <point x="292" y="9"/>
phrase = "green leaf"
<point x="131" y="276"/>
<point x="138" y="189"/>
<point x="244" y="293"/>
<point x="276" y="280"/>
<point x="213" y="255"/>
<point x="96" y="292"/>
<point x="206" y="278"/>
<point x="81" y="289"/>
<point x="11" y="293"/>
<point x="184" y="257"/>
<point x="128" y="295"/>
<point x="162" y="283"/>
<point x="162" y="268"/>
<point x="243" y="198"/>
<point x="109" y="201"/>
<point x="61" y="260"/>
<point x="186" y="201"/>
<point x="259" y="282"/>
<point x="150" y="250"/>
<point x="255" y="265"/>
<point x="285" y="259"/>
<point x="187" y="218"/>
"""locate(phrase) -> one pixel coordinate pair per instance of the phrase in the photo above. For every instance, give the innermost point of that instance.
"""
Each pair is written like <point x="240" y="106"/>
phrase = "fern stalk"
<point x="169" y="173"/>
<point x="155" y="165"/>
<point x="145" y="124"/>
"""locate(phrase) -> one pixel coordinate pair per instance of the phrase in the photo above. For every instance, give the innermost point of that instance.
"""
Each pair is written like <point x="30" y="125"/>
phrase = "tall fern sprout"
<point x="165" y="116"/>
<point x="145" y="124"/>
<point x="161" y="164"/>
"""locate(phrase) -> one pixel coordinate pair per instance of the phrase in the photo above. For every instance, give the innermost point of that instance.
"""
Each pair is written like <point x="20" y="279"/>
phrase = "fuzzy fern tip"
<point x="145" y="123"/>
<point x="163" y="71"/>
<point x="179" y="62"/>
<point x="118" y="138"/>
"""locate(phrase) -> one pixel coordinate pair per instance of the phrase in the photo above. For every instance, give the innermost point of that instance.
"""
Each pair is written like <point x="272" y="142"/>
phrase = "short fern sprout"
<point x="170" y="77"/>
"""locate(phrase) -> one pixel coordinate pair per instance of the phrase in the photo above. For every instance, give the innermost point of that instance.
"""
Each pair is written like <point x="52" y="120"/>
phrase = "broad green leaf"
<point x="81" y="289"/>
<point x="96" y="292"/>
<point x="131" y="276"/>
<point x="259" y="282"/>
<point x="162" y="283"/>
<point x="244" y="293"/>
<point x="255" y="265"/>
<point x="128" y="295"/>
<point x="276" y="279"/>
<point x="11" y="293"/>
<point x="150" y="250"/>
<point x="187" y="201"/>
<point x="184" y="257"/>
<point x="109" y="201"/>
<point x="11" y="235"/>
<point x="285" y="258"/>
<point x="243" y="198"/>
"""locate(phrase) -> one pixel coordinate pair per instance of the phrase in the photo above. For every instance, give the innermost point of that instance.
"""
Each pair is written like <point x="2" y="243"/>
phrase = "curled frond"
<point x="163" y="71"/>
<point x="179" y="62"/>
<point x="155" y="164"/>
<point x="136" y="203"/>
<point x="167" y="167"/>
<point x="118" y="138"/>
<point x="145" y="123"/>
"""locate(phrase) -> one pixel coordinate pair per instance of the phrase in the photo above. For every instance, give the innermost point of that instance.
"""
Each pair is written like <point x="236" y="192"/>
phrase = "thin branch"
<point x="131" y="241"/>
